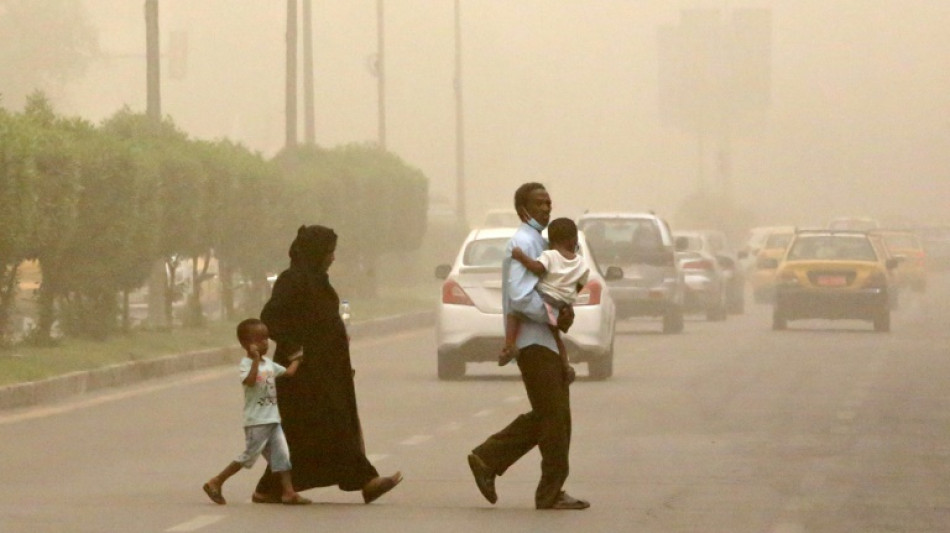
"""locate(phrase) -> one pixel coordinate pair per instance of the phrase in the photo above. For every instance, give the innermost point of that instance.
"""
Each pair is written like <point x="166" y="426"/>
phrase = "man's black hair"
<point x="562" y="230"/>
<point x="522" y="193"/>
<point x="245" y="327"/>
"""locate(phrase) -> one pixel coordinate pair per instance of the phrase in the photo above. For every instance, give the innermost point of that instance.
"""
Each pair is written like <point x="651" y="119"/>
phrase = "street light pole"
<point x="381" y="74"/>
<point x="459" y="123"/>
<point x="309" y="134"/>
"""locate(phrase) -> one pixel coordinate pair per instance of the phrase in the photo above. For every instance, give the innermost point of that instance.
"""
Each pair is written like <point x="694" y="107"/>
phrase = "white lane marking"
<point x="513" y="399"/>
<point x="451" y="426"/>
<point x="483" y="412"/>
<point x="415" y="439"/>
<point x="197" y="522"/>
<point x="40" y="412"/>
<point x="376" y="457"/>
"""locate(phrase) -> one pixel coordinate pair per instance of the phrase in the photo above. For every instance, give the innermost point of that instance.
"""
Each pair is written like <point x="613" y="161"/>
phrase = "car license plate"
<point x="832" y="281"/>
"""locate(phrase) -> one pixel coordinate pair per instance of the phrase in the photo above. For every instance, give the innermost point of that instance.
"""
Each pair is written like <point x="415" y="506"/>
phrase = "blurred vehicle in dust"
<point x="642" y="245"/>
<point x="907" y="248"/>
<point x="762" y="276"/>
<point x="834" y="275"/>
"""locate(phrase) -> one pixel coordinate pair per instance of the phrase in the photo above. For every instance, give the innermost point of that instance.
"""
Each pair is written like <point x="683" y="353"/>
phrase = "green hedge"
<point x="99" y="206"/>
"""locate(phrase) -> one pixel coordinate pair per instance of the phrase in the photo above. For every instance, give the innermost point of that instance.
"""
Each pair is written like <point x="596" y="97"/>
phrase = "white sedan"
<point x="469" y="322"/>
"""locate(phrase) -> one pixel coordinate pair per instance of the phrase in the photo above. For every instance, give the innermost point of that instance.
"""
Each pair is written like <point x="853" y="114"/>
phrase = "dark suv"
<point x="643" y="246"/>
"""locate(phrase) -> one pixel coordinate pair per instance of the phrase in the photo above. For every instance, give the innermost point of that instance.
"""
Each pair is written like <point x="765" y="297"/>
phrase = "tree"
<point x="17" y="207"/>
<point x="32" y="60"/>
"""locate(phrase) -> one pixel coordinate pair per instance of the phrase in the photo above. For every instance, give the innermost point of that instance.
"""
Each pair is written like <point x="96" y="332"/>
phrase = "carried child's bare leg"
<point x="213" y="487"/>
<point x="289" y="495"/>
<point x="509" y="351"/>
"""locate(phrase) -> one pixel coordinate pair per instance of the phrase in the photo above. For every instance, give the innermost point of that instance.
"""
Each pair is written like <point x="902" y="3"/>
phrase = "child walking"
<point x="262" y="431"/>
<point x="563" y="273"/>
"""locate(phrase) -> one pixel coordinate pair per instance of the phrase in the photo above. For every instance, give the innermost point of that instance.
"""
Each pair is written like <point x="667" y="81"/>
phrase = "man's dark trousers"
<point x="548" y="425"/>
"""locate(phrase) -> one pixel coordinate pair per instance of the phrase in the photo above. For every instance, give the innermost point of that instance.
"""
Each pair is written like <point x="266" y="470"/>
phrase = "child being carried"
<point x="563" y="273"/>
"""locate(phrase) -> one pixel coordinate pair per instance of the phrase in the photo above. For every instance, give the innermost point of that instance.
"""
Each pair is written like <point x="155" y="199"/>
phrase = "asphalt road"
<point x="727" y="427"/>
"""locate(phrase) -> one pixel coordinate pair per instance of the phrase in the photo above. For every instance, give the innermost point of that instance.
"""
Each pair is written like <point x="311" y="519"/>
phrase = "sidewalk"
<point x="75" y="383"/>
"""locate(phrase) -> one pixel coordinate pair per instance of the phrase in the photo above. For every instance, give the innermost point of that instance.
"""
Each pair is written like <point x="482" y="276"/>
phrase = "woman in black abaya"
<point x="318" y="405"/>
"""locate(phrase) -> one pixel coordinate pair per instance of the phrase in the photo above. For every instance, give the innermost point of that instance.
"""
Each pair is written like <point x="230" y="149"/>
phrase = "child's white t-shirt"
<point x="562" y="275"/>
<point x="260" y="399"/>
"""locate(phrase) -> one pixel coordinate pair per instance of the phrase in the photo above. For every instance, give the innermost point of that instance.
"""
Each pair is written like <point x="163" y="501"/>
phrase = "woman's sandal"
<point x="257" y="498"/>
<point x="378" y="486"/>
<point x="297" y="500"/>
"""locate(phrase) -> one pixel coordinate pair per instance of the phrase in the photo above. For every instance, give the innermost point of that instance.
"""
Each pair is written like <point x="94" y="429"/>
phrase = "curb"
<point x="75" y="383"/>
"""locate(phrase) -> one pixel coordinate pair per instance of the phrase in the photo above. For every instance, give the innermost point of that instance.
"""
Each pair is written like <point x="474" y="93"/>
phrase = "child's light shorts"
<point x="267" y="439"/>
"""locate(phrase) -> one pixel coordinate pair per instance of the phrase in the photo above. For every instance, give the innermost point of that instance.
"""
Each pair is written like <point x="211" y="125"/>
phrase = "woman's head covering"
<point x="311" y="246"/>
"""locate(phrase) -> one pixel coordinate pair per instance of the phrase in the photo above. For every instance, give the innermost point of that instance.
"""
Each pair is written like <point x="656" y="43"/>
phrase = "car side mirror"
<point x="442" y="271"/>
<point x="725" y="262"/>
<point x="768" y="263"/>
<point x="682" y="243"/>
<point x="613" y="273"/>
<point x="892" y="263"/>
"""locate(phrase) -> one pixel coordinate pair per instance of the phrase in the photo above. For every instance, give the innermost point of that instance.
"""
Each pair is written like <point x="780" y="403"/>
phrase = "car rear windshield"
<point x="778" y="240"/>
<point x="485" y="252"/>
<point x="832" y="247"/>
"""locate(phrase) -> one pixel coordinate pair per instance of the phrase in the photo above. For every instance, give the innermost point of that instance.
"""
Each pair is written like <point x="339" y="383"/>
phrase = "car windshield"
<point x="778" y="240"/>
<point x="832" y="247"/>
<point x="485" y="252"/>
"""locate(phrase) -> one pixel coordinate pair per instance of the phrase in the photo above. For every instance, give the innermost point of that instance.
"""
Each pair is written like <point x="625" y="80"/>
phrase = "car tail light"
<point x="590" y="294"/>
<point x="453" y="293"/>
<point x="698" y="264"/>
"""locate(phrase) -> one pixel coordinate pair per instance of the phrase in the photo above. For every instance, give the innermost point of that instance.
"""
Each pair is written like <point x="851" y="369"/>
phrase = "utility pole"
<point x="290" y="104"/>
<point x="459" y="124"/>
<point x="381" y="73"/>
<point x="153" y="66"/>
<point x="308" y="118"/>
<point x="158" y="278"/>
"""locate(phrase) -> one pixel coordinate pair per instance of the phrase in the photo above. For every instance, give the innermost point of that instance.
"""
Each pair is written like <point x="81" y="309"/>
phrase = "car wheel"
<point x="673" y="320"/>
<point x="882" y="322"/>
<point x="602" y="367"/>
<point x="716" y="313"/>
<point x="779" y="322"/>
<point x="450" y="366"/>
<point x="736" y="300"/>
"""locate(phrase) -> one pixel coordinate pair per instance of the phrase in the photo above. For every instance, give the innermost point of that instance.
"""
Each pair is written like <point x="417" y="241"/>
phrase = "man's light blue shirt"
<point x="518" y="294"/>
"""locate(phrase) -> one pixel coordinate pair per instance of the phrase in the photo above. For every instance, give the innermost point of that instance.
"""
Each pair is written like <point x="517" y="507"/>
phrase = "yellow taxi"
<point x="834" y="275"/>
<point x="772" y="249"/>
<point x="908" y="249"/>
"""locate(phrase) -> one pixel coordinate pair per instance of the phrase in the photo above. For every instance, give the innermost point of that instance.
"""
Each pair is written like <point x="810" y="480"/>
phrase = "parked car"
<point x="469" y="321"/>
<point x="705" y="279"/>
<point x="762" y="277"/>
<point x="834" y="275"/>
<point x="642" y="245"/>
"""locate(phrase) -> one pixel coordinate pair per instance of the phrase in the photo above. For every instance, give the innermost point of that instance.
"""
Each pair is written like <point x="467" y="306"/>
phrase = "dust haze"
<point x="566" y="92"/>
